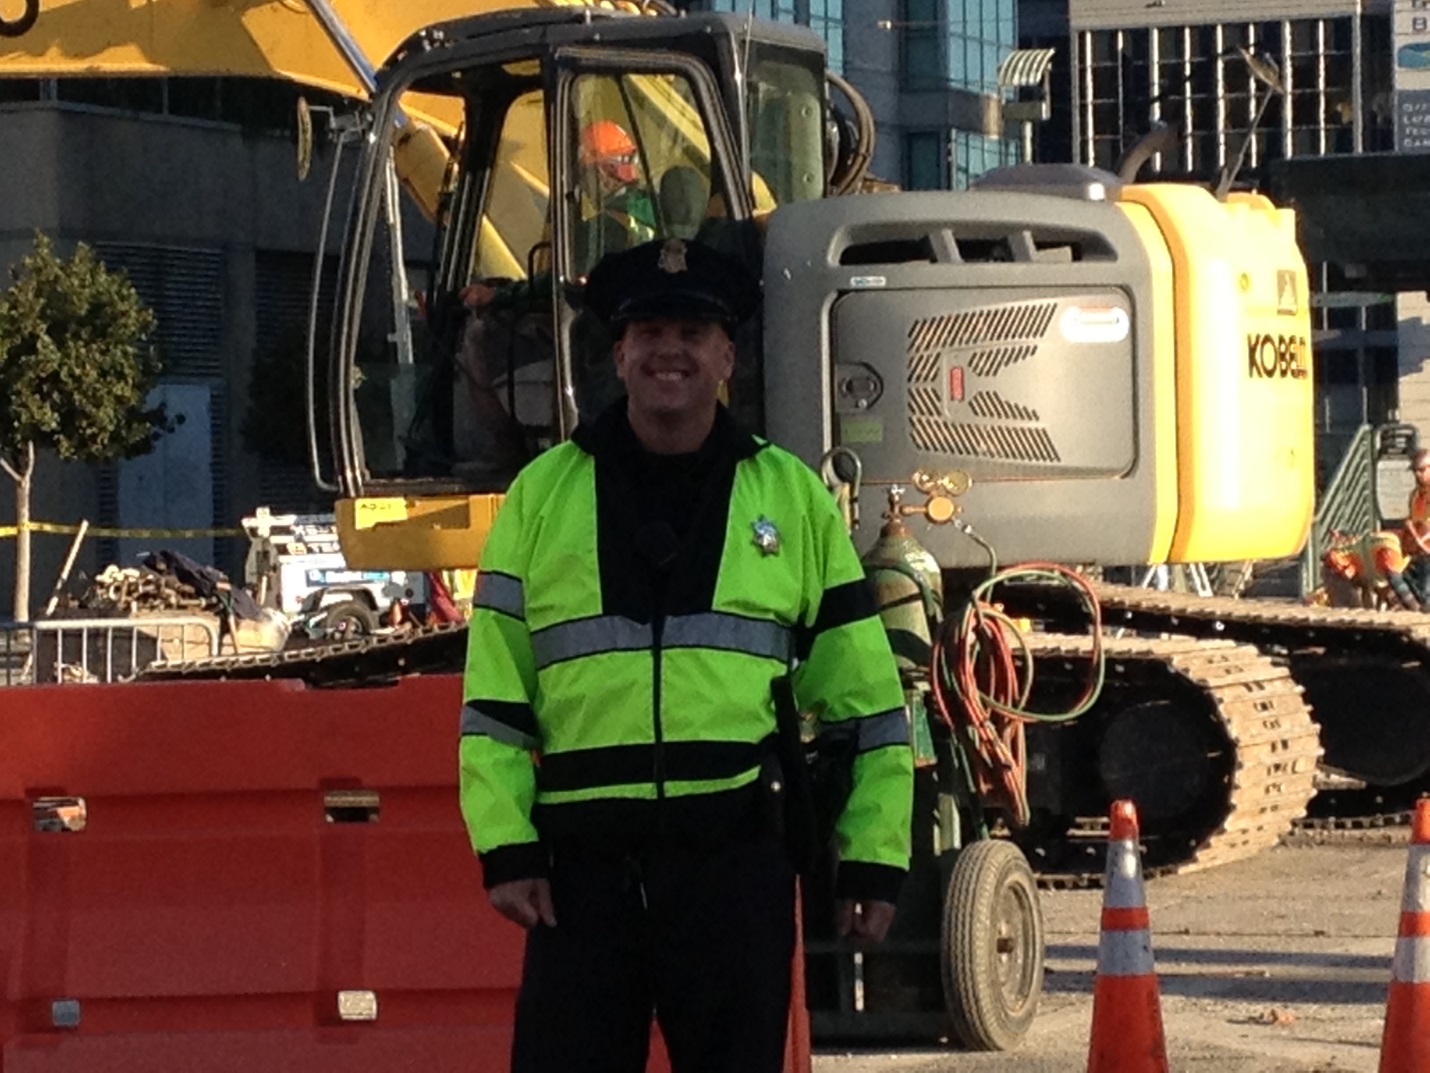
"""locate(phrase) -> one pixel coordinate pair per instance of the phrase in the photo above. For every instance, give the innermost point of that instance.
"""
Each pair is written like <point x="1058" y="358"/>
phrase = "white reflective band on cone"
<point x="1416" y="898"/>
<point x="1125" y="953"/>
<point x="1411" y="964"/>
<point x="1123" y="880"/>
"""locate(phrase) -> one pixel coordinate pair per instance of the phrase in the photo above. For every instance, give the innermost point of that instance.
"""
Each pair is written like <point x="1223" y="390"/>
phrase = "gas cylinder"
<point x="908" y="590"/>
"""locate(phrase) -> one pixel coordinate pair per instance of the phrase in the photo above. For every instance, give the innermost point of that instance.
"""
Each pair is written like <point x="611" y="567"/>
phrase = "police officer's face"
<point x="674" y="367"/>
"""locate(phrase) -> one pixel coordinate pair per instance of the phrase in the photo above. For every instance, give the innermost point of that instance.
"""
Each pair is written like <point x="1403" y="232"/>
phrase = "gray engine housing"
<point x="1006" y="335"/>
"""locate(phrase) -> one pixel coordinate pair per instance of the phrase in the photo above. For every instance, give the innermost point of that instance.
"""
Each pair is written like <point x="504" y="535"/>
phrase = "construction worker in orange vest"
<point x="1417" y="511"/>
<point x="1375" y="564"/>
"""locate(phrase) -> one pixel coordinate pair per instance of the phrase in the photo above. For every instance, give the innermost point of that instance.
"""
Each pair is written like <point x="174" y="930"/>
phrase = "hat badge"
<point x="672" y="257"/>
<point x="767" y="536"/>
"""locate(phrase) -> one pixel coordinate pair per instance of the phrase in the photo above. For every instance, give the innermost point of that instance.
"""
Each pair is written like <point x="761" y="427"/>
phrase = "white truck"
<point x="295" y="566"/>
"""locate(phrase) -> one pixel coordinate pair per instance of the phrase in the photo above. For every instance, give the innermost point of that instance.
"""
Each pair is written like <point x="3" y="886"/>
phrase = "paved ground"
<point x="1279" y="964"/>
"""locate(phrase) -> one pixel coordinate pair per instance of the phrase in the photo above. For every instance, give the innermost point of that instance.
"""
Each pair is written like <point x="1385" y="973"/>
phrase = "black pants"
<point x="702" y="938"/>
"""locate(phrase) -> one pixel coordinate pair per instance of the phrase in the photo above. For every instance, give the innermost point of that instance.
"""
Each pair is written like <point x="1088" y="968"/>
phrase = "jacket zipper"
<point x="658" y="766"/>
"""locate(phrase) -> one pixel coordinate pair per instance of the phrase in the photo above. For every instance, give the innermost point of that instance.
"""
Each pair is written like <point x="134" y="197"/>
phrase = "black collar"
<point x="611" y="433"/>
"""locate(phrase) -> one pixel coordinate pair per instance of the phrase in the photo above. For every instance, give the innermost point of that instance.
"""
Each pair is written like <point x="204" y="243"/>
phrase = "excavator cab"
<point x="463" y="347"/>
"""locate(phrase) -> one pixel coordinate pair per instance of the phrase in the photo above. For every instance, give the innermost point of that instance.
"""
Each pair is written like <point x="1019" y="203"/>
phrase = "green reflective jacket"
<point x="605" y="698"/>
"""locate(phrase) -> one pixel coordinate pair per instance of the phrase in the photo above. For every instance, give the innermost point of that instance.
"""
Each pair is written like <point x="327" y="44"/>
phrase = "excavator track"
<point x="1366" y="674"/>
<point x="1263" y="755"/>
<point x="1261" y="741"/>
<point x="1387" y="829"/>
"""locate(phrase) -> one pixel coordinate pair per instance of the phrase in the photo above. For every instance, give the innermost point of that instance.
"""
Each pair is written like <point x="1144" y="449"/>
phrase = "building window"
<point x="922" y="43"/>
<point x="925" y="160"/>
<point x="988" y="33"/>
<point x="974" y="154"/>
<point x="775" y="10"/>
<point x="1377" y="84"/>
<point x="1103" y="88"/>
<point x="826" y="17"/>
<point x="1211" y="82"/>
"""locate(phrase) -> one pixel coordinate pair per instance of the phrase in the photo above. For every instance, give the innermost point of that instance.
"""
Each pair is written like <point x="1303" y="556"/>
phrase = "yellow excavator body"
<point x="1240" y="307"/>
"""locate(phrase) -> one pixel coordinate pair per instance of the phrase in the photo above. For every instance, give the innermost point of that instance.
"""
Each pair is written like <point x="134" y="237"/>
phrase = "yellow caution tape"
<point x="107" y="531"/>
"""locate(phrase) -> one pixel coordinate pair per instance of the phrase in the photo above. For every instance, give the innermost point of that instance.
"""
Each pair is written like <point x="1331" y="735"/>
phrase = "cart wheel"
<point x="992" y="946"/>
<point x="350" y="619"/>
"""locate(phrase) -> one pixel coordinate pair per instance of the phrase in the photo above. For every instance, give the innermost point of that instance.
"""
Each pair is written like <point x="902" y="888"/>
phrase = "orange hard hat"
<point x="606" y="144"/>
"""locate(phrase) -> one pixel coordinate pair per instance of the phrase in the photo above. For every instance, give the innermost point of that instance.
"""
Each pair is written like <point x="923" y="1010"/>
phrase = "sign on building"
<point x="1412" y="75"/>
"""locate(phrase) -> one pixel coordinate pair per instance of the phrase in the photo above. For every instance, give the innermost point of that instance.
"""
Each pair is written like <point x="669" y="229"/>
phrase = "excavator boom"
<point x="332" y="45"/>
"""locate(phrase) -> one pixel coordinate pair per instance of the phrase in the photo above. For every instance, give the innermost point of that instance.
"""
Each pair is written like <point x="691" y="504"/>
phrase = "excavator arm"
<point x="333" y="45"/>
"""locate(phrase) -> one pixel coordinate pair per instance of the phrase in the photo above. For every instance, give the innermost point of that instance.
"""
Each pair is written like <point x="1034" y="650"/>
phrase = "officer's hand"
<point x="864" y="922"/>
<point x="525" y="901"/>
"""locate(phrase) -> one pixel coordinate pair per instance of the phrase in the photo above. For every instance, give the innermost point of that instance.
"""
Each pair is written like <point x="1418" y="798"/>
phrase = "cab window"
<point x="643" y="165"/>
<point x="785" y="112"/>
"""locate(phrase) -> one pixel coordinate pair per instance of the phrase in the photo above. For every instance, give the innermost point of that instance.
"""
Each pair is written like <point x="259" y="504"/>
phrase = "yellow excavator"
<point x="1057" y="367"/>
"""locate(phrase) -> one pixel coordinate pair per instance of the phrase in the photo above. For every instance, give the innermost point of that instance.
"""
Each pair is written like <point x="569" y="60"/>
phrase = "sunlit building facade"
<point x="929" y="69"/>
<point x="1240" y="87"/>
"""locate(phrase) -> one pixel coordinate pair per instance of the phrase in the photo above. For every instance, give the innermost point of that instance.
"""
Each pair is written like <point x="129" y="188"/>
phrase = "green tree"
<point x="76" y="369"/>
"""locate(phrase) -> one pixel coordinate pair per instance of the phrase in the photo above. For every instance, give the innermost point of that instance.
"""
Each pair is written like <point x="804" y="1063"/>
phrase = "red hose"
<point x="974" y="663"/>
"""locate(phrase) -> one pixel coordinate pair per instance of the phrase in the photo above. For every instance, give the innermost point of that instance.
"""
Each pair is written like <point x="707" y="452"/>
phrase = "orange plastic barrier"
<point x="246" y="875"/>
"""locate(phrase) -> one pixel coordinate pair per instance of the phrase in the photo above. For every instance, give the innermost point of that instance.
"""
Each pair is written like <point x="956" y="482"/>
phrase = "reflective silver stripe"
<point x="614" y="633"/>
<point x="730" y="633"/>
<point x="1416" y="892"/>
<point x="588" y="637"/>
<point x="475" y="722"/>
<point x="1411" y="964"/>
<point x="885" y="728"/>
<point x="1125" y="953"/>
<point x="1122" y="888"/>
<point x="500" y="592"/>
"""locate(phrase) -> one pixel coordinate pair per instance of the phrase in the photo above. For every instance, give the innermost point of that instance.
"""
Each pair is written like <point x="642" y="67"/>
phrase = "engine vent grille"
<point x="994" y="361"/>
<point x="998" y="325"/>
<point x="985" y="342"/>
<point x="992" y="404"/>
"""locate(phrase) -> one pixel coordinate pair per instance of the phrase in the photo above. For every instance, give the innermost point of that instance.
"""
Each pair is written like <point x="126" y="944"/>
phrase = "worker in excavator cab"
<point x="1370" y="571"/>
<point x="649" y="593"/>
<point x="619" y="208"/>
<point x="510" y="319"/>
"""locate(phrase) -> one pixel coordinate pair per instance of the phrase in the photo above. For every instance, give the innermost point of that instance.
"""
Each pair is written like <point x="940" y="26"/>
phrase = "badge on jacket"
<point x="767" y="537"/>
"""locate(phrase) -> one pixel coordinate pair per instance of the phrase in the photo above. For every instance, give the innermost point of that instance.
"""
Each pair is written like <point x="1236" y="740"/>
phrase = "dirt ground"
<point x="1279" y="964"/>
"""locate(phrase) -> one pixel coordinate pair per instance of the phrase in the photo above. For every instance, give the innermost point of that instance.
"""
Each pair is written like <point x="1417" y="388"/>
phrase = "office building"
<point x="929" y="70"/>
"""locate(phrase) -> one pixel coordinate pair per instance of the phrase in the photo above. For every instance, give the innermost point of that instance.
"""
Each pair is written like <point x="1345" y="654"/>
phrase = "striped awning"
<point x="1025" y="66"/>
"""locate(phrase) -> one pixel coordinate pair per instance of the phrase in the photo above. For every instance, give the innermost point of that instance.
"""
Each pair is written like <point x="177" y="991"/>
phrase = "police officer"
<point x="640" y="589"/>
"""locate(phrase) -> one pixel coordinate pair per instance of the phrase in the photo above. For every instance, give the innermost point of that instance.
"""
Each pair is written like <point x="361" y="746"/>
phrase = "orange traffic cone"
<point x="1126" y="1008"/>
<point x="1406" y="1042"/>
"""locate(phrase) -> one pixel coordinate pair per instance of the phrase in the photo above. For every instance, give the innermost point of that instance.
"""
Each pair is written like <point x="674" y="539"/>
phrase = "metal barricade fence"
<point x="15" y="640"/>
<point x="100" y="649"/>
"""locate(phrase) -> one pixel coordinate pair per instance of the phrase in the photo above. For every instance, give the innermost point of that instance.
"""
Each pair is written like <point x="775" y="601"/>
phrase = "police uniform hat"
<point x="671" y="278"/>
